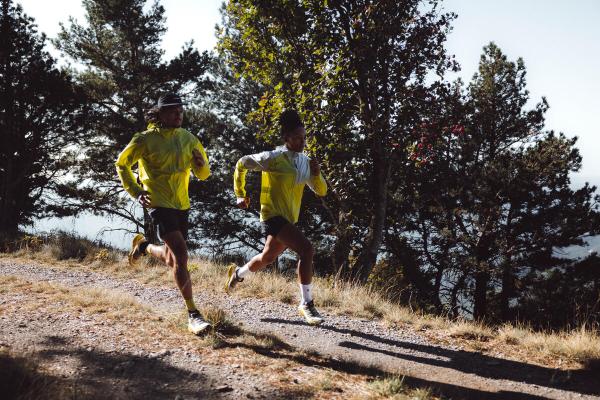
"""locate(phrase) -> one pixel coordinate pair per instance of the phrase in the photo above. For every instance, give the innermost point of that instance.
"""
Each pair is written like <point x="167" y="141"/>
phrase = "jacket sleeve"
<point x="128" y="157"/>
<point x="254" y="162"/>
<point x="201" y="172"/>
<point x="318" y="185"/>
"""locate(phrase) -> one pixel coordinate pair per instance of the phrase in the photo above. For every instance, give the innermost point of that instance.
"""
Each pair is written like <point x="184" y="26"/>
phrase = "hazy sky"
<point x="559" y="41"/>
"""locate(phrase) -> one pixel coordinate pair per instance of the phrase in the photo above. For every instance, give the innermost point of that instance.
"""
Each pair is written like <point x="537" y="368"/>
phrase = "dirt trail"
<point x="346" y="342"/>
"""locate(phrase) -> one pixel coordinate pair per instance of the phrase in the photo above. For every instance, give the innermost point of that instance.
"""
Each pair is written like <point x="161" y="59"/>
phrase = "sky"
<point x="558" y="40"/>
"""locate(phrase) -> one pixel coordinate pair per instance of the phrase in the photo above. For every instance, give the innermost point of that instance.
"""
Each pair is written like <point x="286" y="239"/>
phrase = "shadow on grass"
<point x="580" y="381"/>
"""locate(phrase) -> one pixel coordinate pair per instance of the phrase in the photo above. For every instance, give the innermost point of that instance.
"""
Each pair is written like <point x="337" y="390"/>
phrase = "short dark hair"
<point x="289" y="120"/>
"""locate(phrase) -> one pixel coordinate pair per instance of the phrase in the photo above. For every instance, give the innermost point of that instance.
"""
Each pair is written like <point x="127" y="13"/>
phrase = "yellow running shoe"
<point x="135" y="253"/>
<point x="232" y="278"/>
<point x="310" y="313"/>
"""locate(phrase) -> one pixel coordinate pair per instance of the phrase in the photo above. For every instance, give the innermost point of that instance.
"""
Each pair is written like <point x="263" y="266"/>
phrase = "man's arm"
<point x="200" y="166"/>
<point x="128" y="157"/>
<point x="317" y="182"/>
<point x="255" y="162"/>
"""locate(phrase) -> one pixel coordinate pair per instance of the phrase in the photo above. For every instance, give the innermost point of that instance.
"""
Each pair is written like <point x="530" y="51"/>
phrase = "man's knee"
<point x="307" y="251"/>
<point x="181" y="258"/>
<point x="268" y="258"/>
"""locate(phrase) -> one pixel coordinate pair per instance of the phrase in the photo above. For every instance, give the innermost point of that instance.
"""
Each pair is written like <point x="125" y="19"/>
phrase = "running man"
<point x="165" y="154"/>
<point x="285" y="172"/>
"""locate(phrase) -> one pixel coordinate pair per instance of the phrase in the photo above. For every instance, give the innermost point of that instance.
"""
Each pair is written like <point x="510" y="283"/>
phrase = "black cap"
<point x="169" y="99"/>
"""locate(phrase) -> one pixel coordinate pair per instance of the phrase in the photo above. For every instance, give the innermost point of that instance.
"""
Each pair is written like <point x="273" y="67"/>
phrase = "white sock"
<point x="243" y="271"/>
<point x="306" y="292"/>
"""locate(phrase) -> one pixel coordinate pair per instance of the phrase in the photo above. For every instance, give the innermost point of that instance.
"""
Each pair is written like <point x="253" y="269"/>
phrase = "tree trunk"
<point x="480" y="297"/>
<point x="379" y="182"/>
<point x="9" y="212"/>
<point x="507" y="270"/>
<point x="435" y="292"/>
<point x="458" y="287"/>
<point x="482" y="273"/>
<point x="507" y="291"/>
<point x="340" y="254"/>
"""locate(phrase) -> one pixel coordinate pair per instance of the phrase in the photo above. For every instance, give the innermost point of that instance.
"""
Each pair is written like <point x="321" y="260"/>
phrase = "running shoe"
<point x="135" y="253"/>
<point x="310" y="313"/>
<point x="232" y="277"/>
<point x="196" y="324"/>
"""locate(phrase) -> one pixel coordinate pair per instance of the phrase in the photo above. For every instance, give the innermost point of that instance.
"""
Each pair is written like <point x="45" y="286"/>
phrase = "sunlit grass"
<point x="581" y="345"/>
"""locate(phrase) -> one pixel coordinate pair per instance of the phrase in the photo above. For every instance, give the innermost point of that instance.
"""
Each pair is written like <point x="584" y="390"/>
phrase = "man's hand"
<point x="315" y="169"/>
<point x="243" y="202"/>
<point x="144" y="199"/>
<point x="197" y="158"/>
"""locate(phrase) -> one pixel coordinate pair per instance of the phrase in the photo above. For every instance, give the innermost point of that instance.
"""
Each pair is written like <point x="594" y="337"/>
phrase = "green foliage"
<point x="496" y="202"/>
<point x="39" y="112"/>
<point x="358" y="73"/>
<point x="458" y="192"/>
<point x="452" y="198"/>
<point x="562" y="297"/>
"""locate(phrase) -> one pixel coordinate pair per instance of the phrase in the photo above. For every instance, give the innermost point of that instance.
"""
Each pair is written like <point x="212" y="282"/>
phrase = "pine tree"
<point x="497" y="199"/>
<point x="40" y="109"/>
<point x="123" y="72"/>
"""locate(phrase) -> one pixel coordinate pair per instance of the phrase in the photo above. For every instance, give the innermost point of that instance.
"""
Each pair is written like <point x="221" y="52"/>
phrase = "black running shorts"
<point x="273" y="225"/>
<point x="169" y="220"/>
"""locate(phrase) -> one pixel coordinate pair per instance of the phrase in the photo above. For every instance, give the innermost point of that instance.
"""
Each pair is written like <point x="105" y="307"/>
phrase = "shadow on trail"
<point x="468" y="362"/>
<point x="281" y="350"/>
<point x="21" y="378"/>
<point x="125" y="376"/>
<point x="115" y="375"/>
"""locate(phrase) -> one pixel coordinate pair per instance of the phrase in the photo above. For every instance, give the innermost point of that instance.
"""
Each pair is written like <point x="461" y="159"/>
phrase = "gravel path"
<point x="350" y="342"/>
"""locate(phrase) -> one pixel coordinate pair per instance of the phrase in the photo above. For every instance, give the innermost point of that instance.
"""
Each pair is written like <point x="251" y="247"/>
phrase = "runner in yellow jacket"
<point x="285" y="173"/>
<point x="165" y="154"/>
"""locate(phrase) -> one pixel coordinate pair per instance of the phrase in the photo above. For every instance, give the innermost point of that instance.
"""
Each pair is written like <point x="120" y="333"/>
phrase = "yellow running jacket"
<point x="284" y="175"/>
<point x="164" y="158"/>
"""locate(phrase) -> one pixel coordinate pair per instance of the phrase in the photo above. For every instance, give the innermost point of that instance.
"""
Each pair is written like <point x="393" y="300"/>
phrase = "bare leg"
<point x="272" y="249"/>
<point x="159" y="252"/>
<point x="292" y="237"/>
<point x="174" y="254"/>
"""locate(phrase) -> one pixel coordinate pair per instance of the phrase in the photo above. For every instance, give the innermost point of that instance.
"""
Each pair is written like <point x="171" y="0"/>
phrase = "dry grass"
<point x="470" y="330"/>
<point x="112" y="304"/>
<point x="389" y="386"/>
<point x="581" y="345"/>
<point x="393" y="387"/>
<point x="576" y="348"/>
